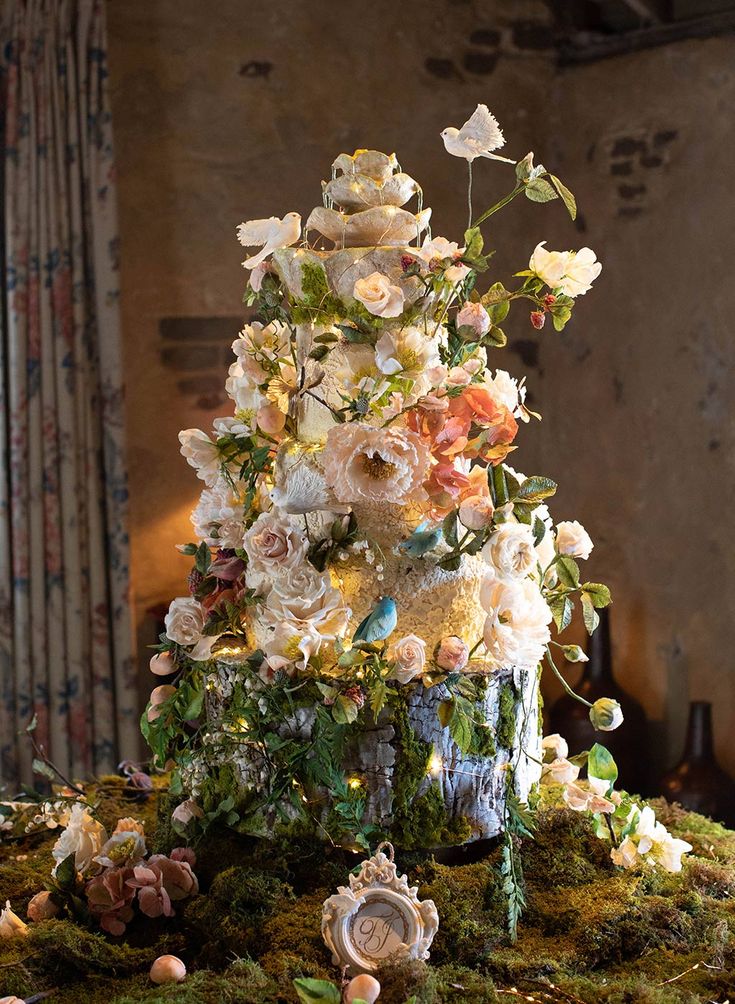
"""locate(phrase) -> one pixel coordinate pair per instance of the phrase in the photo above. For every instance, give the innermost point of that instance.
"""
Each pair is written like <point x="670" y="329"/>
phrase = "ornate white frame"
<point x="377" y="882"/>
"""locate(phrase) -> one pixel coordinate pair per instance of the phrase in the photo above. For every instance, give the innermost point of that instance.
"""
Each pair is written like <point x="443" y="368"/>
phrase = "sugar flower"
<point x="83" y="837"/>
<point x="555" y="746"/>
<point x="378" y="294"/>
<point x="572" y="539"/>
<point x="275" y="545"/>
<point x="511" y="552"/>
<point x="409" y="655"/>
<point x="308" y="599"/>
<point x="289" y="649"/>
<point x="571" y="272"/>
<point x="452" y="654"/>
<point x="406" y="351"/>
<point x="10" y="923"/>
<point x="473" y="315"/>
<point x="516" y="630"/>
<point x="218" y="516"/>
<point x="375" y="465"/>
<point x="185" y="625"/>
<point x="606" y="714"/>
<point x="201" y="454"/>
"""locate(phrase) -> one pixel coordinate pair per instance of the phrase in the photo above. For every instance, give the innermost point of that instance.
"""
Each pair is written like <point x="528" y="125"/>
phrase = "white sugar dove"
<point x="269" y="234"/>
<point x="478" y="137"/>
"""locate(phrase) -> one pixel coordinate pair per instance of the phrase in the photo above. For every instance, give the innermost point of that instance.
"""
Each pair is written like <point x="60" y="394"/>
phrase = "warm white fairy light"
<point x="436" y="764"/>
<point x="354" y="783"/>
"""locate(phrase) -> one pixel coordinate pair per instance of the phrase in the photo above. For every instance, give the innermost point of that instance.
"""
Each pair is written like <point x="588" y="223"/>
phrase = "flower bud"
<point x="42" y="907"/>
<point x="606" y="714"/>
<point x="476" y="512"/>
<point x="270" y="419"/>
<point x="362" y="988"/>
<point x="452" y="654"/>
<point x="162" y="664"/>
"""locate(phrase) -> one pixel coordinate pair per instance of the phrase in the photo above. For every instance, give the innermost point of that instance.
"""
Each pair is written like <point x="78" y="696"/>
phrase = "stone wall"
<point x="235" y="111"/>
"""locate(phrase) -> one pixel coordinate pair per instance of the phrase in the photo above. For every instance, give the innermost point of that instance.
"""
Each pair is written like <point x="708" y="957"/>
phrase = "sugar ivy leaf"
<point x="449" y="528"/>
<point x="474" y="242"/>
<point x="445" y="712"/>
<point x="598" y="593"/>
<point x="460" y="728"/>
<point x="559" y="318"/>
<point x="512" y="483"/>
<point x="326" y="690"/>
<point x="203" y="558"/>
<point x="66" y="873"/>
<point x="498" y="311"/>
<point x="357" y="336"/>
<point x="539" y="530"/>
<point x="566" y="196"/>
<point x="539" y="190"/>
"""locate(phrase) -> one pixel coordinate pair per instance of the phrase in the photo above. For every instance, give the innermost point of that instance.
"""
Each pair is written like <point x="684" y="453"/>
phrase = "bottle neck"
<point x="699" y="744"/>
<point x="599" y="652"/>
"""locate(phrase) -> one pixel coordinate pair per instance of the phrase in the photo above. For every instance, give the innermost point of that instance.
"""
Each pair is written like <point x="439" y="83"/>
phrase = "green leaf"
<point x="444" y="713"/>
<point x="566" y="196"/>
<point x="539" y="530"/>
<point x="378" y="696"/>
<point x="344" y="710"/>
<point x="598" y="593"/>
<point x="560" y="317"/>
<point x="195" y="706"/>
<point x="312" y="991"/>
<point x="601" y="764"/>
<point x="590" y="615"/>
<point x="42" y="768"/>
<point x="188" y="549"/>
<point x="539" y="190"/>
<point x="449" y="528"/>
<point x="450" y="562"/>
<point x="561" y="608"/>
<point x="568" y="570"/>
<point x="356" y="336"/>
<point x="66" y="873"/>
<point x="474" y="242"/>
<point x="203" y="559"/>
<point x="495" y="337"/>
<point x="326" y="690"/>
<point x="535" y="489"/>
<point x="319" y="352"/>
<point x="498" y="311"/>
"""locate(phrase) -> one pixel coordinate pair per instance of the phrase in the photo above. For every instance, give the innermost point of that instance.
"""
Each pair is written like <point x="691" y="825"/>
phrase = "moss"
<point x="505" y="732"/>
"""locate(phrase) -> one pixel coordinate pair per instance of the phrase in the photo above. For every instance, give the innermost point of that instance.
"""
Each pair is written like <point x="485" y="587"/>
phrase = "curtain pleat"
<point x="65" y="633"/>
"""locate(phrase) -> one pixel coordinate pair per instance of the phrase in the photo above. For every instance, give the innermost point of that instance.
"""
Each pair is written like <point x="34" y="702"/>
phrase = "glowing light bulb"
<point x="354" y="783"/>
<point x="435" y="764"/>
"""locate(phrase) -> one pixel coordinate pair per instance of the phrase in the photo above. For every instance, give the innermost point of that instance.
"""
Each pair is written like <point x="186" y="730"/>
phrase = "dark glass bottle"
<point x="698" y="782"/>
<point x="629" y="742"/>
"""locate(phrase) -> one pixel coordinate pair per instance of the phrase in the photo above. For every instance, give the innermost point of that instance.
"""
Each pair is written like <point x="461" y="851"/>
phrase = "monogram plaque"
<point x="377" y="918"/>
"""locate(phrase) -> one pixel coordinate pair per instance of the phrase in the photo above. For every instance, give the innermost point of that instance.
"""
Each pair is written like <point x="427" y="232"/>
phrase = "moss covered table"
<point x="591" y="933"/>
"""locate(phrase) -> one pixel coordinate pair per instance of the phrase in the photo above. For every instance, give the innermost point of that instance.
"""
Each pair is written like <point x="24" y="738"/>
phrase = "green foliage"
<point x="601" y="764"/>
<point x="505" y="732"/>
<point x="317" y="991"/>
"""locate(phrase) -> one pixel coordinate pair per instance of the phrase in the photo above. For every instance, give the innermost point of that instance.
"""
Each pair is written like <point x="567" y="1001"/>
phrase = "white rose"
<point x="456" y="273"/>
<point x="508" y="391"/>
<point x="473" y="315"/>
<point x="308" y="599"/>
<point x="218" y="517"/>
<point x="410" y="656"/>
<point x="185" y="620"/>
<point x="555" y="745"/>
<point x="573" y="540"/>
<point x="379" y="295"/>
<point x="511" y="551"/>
<point x="516" y="630"/>
<point x="201" y="454"/>
<point x="83" y="837"/>
<point x="274" y="545"/>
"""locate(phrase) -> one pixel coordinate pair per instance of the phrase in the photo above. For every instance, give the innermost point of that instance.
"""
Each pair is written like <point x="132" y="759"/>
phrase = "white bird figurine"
<point x="269" y="235"/>
<point x="478" y="137"/>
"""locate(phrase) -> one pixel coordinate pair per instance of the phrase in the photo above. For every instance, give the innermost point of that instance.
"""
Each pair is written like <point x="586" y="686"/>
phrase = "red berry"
<point x="549" y="299"/>
<point x="538" y="319"/>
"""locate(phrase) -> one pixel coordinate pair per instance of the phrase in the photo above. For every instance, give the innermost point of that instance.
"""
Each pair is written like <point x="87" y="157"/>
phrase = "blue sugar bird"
<point x="421" y="541"/>
<point x="379" y="623"/>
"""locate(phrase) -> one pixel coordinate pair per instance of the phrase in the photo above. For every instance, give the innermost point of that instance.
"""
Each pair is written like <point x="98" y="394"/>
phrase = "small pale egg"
<point x="363" y="987"/>
<point x="11" y="1000"/>
<point x="168" y="969"/>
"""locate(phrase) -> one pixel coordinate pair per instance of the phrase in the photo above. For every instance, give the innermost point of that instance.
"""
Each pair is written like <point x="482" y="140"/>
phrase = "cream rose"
<point x="516" y="630"/>
<point x="555" y="746"/>
<point x="275" y="546"/>
<point x="308" y="599"/>
<point x="511" y="552"/>
<point x="377" y="293"/>
<point x="409" y="655"/>
<point x="375" y="465"/>
<point x="559" y="771"/>
<point x="185" y="620"/>
<point x="573" y="540"/>
<point x="476" y="512"/>
<point x="83" y="837"/>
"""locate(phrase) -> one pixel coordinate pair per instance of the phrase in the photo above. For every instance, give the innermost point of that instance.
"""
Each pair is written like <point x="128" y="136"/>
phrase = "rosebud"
<point x="163" y="664"/>
<point x="42" y="907"/>
<point x="406" y="262"/>
<point x="362" y="988"/>
<point x="452" y="654"/>
<point x="606" y="714"/>
<point x="476" y="512"/>
<point x="538" y="319"/>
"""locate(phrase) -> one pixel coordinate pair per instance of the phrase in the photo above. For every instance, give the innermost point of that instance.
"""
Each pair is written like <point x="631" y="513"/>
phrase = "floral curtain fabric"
<point x="65" y="637"/>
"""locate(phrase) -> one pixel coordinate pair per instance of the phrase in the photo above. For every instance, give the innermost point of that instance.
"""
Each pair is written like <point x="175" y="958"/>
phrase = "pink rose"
<point x="452" y="654"/>
<point x="474" y="315"/>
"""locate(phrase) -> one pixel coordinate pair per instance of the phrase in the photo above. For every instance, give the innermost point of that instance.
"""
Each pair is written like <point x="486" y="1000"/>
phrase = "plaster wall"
<point x="233" y="111"/>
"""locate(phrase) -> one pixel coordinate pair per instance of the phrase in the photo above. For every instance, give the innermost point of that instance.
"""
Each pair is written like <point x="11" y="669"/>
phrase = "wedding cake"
<point x="374" y="585"/>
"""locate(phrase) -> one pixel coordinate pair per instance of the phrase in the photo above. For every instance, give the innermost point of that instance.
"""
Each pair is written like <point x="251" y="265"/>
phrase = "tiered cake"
<point x="373" y="585"/>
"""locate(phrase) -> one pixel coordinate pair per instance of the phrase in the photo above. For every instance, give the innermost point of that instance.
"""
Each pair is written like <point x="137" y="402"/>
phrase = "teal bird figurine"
<point x="421" y="541"/>
<point x="379" y="623"/>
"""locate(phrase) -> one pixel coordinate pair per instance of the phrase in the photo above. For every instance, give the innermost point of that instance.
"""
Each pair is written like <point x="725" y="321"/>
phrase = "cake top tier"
<point x="363" y="203"/>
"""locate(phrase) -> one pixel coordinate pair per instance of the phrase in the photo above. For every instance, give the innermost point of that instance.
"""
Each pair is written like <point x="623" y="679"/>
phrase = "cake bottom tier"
<point x="418" y="788"/>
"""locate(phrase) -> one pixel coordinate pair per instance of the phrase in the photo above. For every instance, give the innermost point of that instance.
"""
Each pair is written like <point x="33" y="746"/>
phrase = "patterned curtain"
<point x="65" y="635"/>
